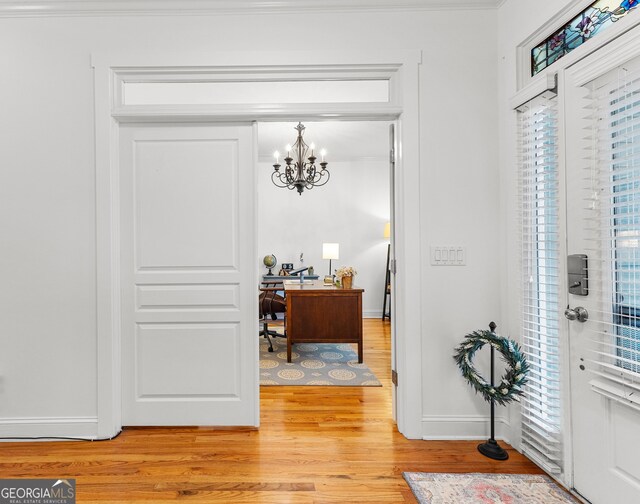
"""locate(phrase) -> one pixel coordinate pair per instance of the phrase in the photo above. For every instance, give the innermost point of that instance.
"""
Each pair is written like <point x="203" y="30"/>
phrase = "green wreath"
<point x="511" y="383"/>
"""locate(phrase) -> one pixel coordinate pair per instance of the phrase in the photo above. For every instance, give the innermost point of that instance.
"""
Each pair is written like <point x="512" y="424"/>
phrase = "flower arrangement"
<point x="346" y="271"/>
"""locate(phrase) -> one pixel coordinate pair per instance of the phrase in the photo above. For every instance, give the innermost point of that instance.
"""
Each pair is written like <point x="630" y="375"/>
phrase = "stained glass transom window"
<point x="586" y="25"/>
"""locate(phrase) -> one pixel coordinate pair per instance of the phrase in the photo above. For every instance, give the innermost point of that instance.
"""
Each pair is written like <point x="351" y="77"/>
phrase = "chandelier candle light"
<point x="300" y="174"/>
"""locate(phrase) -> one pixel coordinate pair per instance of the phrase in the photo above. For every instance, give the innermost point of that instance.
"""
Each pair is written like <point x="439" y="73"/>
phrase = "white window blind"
<point x="539" y="201"/>
<point x="614" y="216"/>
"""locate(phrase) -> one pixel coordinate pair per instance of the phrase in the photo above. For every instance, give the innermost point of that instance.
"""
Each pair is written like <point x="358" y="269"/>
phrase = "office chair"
<point x="270" y="303"/>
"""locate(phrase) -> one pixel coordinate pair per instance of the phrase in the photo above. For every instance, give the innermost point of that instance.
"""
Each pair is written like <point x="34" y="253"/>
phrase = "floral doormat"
<point x="313" y="364"/>
<point x="478" y="488"/>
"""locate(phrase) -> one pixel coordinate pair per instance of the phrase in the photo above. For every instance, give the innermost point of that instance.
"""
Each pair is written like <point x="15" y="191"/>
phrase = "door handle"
<point x="578" y="313"/>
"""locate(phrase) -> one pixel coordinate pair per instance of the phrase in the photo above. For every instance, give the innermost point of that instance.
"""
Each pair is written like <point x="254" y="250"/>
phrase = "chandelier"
<point x="300" y="174"/>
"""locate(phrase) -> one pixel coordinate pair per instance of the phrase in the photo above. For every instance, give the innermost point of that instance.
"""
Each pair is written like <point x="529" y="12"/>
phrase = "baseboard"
<point x="463" y="427"/>
<point x="52" y="427"/>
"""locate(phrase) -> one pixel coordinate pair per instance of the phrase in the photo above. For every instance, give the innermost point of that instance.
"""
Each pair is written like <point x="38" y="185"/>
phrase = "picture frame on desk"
<point x="285" y="269"/>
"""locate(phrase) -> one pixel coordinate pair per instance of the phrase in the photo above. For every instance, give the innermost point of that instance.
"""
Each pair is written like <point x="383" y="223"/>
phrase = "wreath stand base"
<point x="491" y="448"/>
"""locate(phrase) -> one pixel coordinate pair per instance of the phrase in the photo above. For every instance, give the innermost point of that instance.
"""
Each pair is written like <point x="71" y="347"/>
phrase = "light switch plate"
<point x="448" y="255"/>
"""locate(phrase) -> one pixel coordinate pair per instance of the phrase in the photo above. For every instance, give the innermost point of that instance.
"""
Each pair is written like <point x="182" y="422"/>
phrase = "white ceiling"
<point x="343" y="140"/>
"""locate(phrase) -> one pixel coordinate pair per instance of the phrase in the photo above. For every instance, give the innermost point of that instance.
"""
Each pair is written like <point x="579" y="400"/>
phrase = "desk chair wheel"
<point x="268" y="334"/>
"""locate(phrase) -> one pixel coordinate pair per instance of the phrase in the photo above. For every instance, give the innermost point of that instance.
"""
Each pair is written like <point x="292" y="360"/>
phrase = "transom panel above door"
<point x="188" y="275"/>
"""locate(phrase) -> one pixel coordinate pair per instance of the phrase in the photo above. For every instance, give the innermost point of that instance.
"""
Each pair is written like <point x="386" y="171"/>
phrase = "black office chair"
<point x="270" y="303"/>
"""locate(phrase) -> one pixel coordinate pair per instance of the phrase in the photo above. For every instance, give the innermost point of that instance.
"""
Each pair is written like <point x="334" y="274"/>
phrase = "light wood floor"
<point x="315" y="445"/>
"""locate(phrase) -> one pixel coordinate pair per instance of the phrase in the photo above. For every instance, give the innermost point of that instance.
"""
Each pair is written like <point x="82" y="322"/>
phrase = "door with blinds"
<point x="602" y="95"/>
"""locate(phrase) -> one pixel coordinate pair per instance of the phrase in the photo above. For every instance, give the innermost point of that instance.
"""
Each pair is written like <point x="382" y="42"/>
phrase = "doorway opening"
<point x="112" y="72"/>
<point x="352" y="211"/>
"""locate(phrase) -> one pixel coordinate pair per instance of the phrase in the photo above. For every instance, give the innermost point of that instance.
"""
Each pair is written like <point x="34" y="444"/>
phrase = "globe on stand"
<point x="270" y="262"/>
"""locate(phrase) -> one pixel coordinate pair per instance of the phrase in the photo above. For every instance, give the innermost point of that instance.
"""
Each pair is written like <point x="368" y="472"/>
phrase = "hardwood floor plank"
<point x="315" y="445"/>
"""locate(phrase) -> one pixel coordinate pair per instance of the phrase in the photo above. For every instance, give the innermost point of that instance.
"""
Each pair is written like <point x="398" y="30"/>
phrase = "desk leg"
<point x="288" y="327"/>
<point x="360" y="338"/>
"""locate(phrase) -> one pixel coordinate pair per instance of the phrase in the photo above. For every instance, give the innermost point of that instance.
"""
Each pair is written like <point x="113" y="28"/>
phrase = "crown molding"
<point x="46" y="8"/>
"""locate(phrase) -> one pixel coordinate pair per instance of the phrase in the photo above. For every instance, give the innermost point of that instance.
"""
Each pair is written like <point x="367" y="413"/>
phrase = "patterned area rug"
<point x="477" y="488"/>
<point x="313" y="364"/>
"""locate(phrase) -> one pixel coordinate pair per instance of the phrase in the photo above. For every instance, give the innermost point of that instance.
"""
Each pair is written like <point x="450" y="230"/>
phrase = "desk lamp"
<point x="330" y="251"/>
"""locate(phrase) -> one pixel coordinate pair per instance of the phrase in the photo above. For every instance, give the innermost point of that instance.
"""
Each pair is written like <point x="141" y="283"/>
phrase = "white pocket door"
<point x="189" y="296"/>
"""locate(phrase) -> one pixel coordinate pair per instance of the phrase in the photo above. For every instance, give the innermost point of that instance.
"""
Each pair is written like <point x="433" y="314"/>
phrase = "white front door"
<point x="188" y="284"/>
<point x="602" y="104"/>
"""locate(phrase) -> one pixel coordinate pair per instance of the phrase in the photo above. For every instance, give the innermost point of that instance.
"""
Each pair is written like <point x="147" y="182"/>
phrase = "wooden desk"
<point x="321" y="314"/>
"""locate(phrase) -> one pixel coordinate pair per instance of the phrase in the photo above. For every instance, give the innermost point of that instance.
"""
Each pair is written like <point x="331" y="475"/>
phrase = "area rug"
<point x="479" y="488"/>
<point x="313" y="364"/>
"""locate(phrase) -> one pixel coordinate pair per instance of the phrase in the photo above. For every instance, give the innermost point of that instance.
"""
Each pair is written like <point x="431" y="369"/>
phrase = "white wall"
<point x="47" y="189"/>
<point x="350" y="210"/>
<point x="460" y="201"/>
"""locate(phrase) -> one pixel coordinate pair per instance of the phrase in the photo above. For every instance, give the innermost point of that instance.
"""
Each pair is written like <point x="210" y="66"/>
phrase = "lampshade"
<point x="331" y="251"/>
<point x="387" y="230"/>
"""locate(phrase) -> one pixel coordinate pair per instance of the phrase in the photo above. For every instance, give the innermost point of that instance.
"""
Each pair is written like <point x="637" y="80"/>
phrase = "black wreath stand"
<point x="491" y="448"/>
